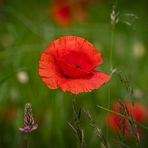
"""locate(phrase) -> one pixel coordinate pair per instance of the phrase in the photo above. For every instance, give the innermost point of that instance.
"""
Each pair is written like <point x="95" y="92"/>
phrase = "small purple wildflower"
<point x="29" y="123"/>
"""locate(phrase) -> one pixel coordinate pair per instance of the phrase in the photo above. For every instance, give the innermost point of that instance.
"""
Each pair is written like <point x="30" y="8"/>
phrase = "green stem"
<point x="111" y="67"/>
<point x="28" y="140"/>
<point x="111" y="49"/>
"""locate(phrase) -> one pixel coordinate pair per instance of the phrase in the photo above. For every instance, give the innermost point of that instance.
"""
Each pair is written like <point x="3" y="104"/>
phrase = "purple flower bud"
<point x="29" y="123"/>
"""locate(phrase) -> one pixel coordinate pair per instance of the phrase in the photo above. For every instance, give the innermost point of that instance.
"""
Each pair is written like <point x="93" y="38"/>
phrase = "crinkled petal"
<point x="66" y="45"/>
<point x="71" y="70"/>
<point x="49" y="71"/>
<point x="86" y="84"/>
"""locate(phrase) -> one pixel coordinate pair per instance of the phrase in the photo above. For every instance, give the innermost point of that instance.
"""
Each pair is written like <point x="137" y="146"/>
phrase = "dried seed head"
<point x="114" y="16"/>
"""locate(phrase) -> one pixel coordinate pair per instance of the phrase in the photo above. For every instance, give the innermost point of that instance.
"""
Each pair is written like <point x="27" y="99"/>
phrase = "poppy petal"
<point x="87" y="84"/>
<point x="67" y="45"/>
<point x="49" y="71"/>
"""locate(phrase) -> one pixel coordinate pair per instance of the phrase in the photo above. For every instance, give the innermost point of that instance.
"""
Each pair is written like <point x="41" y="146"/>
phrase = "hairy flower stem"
<point x="111" y="49"/>
<point x="76" y="125"/>
<point x="28" y="140"/>
<point x="114" y="20"/>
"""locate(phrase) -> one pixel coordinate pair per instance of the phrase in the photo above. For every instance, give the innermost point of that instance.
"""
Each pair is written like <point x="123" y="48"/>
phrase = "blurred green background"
<point x="26" y="28"/>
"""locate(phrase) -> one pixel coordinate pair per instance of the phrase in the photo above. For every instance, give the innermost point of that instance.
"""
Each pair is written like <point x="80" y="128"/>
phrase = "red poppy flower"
<point x="137" y="111"/>
<point x="69" y="62"/>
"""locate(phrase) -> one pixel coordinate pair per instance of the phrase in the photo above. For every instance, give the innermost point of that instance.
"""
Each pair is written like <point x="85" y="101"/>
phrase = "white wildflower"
<point x="23" y="77"/>
<point x="138" y="50"/>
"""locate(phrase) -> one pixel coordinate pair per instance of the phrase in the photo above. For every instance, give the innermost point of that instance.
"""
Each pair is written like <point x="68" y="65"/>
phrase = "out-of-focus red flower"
<point x="65" y="11"/>
<point x="137" y="111"/>
<point x="8" y="114"/>
<point x="62" y="12"/>
<point x="69" y="62"/>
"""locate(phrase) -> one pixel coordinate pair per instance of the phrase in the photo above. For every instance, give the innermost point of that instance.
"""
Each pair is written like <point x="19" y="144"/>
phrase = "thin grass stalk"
<point x="99" y="132"/>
